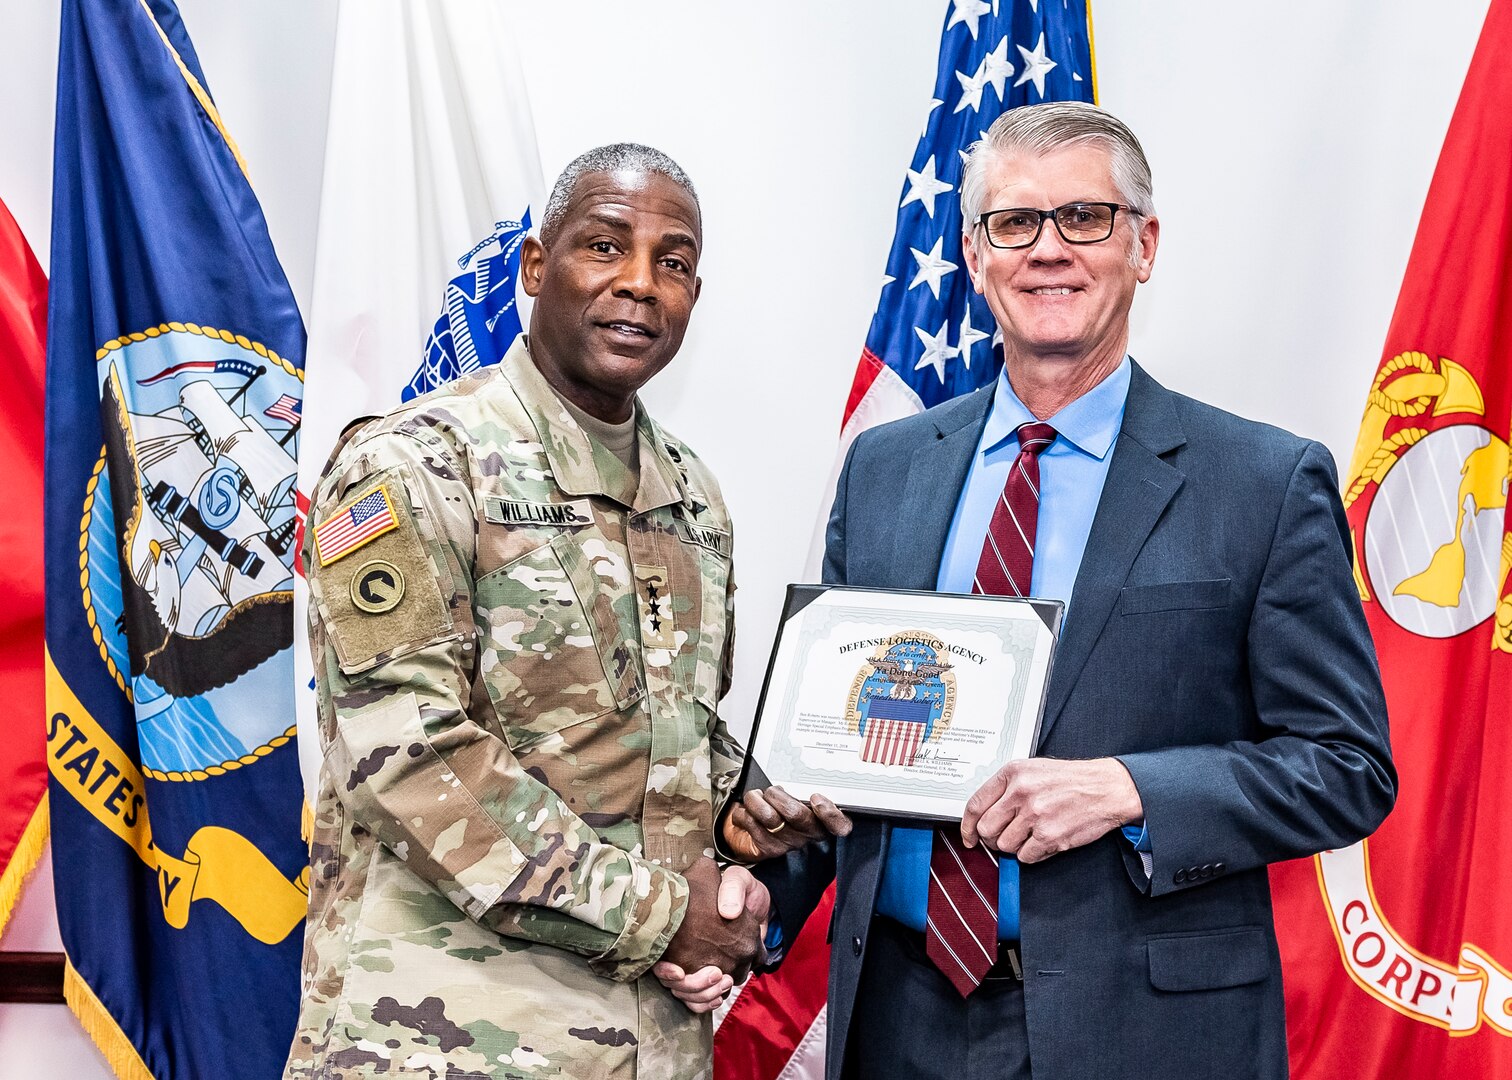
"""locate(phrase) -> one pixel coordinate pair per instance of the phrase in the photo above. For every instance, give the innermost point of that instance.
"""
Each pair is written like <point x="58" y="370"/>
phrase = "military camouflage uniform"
<point x="522" y="754"/>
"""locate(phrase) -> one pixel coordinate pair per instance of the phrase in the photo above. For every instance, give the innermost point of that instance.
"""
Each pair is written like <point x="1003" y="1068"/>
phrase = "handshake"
<point x="723" y="932"/>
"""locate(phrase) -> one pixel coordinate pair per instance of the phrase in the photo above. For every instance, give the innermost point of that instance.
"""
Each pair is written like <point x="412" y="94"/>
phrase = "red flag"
<point x="774" y="1027"/>
<point x="1398" y="950"/>
<point x="23" y="774"/>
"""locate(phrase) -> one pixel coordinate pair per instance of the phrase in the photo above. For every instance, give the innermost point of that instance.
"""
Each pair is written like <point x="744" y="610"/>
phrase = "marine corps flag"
<point x="1398" y="950"/>
<point x="174" y="349"/>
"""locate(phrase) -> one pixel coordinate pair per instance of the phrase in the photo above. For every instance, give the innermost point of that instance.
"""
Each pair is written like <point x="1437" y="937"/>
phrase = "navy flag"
<point x="175" y="358"/>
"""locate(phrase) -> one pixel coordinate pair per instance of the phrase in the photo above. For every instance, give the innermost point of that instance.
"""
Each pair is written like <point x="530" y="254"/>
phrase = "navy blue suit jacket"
<point x="1217" y="647"/>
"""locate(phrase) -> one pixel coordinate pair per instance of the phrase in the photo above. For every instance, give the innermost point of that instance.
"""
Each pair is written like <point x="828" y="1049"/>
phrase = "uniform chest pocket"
<point x="547" y="655"/>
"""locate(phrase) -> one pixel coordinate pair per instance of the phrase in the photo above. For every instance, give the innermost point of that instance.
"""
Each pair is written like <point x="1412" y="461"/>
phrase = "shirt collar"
<point x="1090" y="423"/>
<point x="575" y="467"/>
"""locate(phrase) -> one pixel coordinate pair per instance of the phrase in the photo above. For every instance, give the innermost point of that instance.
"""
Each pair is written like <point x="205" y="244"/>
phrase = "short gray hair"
<point x="616" y="157"/>
<point x="1040" y="129"/>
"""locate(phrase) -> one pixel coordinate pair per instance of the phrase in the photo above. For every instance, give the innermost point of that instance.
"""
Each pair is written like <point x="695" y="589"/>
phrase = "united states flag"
<point x="892" y="742"/>
<point x="341" y="534"/>
<point x="286" y="408"/>
<point x="931" y="339"/>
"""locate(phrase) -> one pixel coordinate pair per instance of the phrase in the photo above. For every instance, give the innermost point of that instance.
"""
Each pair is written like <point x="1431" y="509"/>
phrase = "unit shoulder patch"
<point x="377" y="586"/>
<point x="390" y="603"/>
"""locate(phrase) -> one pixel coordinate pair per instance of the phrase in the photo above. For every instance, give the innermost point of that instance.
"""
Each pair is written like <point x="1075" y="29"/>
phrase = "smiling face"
<point x="614" y="291"/>
<point x="1054" y="300"/>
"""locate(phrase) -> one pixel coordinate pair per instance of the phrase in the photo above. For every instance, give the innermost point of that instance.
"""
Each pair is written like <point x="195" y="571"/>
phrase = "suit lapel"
<point x="1138" y="488"/>
<point x="938" y="466"/>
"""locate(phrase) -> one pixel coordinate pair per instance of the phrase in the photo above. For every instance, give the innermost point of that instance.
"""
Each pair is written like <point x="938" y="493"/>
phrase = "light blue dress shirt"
<point x="1072" y="471"/>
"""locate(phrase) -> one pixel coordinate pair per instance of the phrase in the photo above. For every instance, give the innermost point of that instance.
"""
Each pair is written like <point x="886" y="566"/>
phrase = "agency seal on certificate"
<point x="902" y="703"/>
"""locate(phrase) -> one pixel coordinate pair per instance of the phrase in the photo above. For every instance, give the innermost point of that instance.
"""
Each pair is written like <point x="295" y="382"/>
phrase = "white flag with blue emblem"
<point x="432" y="179"/>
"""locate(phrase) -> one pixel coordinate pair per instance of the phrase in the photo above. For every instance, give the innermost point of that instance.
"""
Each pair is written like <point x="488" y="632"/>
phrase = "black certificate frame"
<point x="800" y="596"/>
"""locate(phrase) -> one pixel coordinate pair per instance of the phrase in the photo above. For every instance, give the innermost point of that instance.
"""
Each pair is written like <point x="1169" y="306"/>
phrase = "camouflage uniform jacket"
<point x="519" y="653"/>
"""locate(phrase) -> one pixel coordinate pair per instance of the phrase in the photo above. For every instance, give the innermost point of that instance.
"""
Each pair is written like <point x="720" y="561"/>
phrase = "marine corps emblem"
<point x="1424" y="455"/>
<point x="903" y="697"/>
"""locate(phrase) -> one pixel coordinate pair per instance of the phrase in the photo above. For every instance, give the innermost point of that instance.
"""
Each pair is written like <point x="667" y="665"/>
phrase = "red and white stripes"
<point x="892" y="742"/>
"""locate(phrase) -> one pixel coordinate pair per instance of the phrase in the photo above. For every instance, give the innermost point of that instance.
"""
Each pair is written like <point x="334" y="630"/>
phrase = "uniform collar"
<point x="570" y="453"/>
<point x="1090" y="423"/>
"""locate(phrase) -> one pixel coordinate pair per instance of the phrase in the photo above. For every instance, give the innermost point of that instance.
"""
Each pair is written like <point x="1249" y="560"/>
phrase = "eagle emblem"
<point x="902" y="698"/>
<point x="188" y="540"/>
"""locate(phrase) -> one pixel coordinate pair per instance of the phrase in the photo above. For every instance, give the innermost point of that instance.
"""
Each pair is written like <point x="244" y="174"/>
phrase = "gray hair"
<point x="616" y="157"/>
<point x="1040" y="129"/>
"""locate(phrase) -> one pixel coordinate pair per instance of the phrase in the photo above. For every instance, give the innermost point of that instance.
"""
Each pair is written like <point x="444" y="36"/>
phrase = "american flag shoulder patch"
<point x="358" y="522"/>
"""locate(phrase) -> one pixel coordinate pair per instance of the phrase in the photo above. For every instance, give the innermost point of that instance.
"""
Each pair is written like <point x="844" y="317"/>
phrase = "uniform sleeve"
<point x="396" y="648"/>
<point x="726" y="754"/>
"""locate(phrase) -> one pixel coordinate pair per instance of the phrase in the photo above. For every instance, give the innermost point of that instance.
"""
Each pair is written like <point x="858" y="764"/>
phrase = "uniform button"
<point x="1180" y="877"/>
<point x="856" y="945"/>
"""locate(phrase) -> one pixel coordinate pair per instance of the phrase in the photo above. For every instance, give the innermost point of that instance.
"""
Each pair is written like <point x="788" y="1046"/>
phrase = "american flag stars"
<point x="968" y="13"/>
<point x="1036" y="66"/>
<point x="937" y="351"/>
<point x="993" y="71"/>
<point x="923" y="187"/>
<point x="932" y="267"/>
<point x="930" y="323"/>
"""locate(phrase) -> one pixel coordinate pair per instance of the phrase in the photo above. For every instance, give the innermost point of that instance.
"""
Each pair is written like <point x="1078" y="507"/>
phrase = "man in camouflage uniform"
<point x="521" y="632"/>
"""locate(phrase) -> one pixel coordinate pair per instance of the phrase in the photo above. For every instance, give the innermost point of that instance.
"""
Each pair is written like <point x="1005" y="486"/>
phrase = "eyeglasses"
<point x="1078" y="223"/>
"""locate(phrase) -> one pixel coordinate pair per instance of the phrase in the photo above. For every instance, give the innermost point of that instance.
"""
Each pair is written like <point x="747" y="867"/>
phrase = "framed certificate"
<point x="902" y="703"/>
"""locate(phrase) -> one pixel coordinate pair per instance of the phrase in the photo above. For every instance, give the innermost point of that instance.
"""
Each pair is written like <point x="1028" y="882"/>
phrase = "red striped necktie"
<point x="960" y="933"/>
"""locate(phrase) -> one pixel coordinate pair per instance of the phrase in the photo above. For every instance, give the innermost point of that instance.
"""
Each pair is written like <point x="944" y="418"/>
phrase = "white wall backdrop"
<point x="1292" y="143"/>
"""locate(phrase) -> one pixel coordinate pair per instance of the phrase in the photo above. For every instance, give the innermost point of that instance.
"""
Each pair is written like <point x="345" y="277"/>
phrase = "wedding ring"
<point x="780" y="826"/>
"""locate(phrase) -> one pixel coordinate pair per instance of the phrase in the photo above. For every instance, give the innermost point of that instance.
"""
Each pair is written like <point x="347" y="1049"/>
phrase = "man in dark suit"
<point x="1215" y="704"/>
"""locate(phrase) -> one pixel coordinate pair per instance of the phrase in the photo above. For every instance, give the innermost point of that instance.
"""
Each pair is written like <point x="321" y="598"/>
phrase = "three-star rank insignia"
<point x="377" y="587"/>
<point x="654" y="599"/>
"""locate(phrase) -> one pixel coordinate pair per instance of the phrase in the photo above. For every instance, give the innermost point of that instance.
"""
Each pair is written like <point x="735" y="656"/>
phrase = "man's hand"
<point x="770" y="822"/>
<point x="741" y="896"/>
<point x="724" y="923"/>
<point x="1033" y="809"/>
<point x="701" y="991"/>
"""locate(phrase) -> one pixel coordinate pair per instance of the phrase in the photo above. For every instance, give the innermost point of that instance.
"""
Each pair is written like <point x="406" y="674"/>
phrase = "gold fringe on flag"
<point x="120" y="1054"/>
<point x="23" y="861"/>
<point x="1092" y="53"/>
<point x="198" y="91"/>
<point x="306" y="822"/>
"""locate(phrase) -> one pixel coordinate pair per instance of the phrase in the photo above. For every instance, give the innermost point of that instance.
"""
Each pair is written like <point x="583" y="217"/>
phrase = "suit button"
<point x="1218" y="868"/>
<point x="1206" y="871"/>
<point x="1180" y="877"/>
<point x="856" y="945"/>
